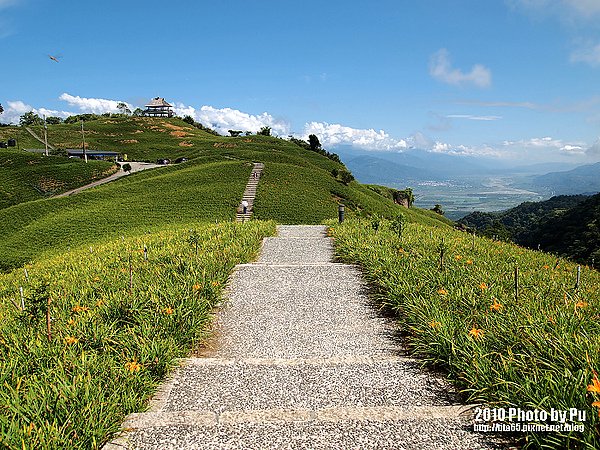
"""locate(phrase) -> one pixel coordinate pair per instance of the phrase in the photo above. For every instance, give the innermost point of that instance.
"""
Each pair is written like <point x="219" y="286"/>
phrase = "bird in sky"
<point x="54" y="58"/>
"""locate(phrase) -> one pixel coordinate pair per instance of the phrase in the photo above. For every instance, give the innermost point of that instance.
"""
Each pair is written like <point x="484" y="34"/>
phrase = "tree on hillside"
<point x="404" y="197"/>
<point x="345" y="176"/>
<point x="123" y="108"/>
<point x="1" y="108"/>
<point x="30" y="118"/>
<point x="234" y="133"/>
<point x="189" y="119"/>
<point x="265" y="131"/>
<point x="314" y="143"/>
<point x="438" y="209"/>
<point x="137" y="112"/>
<point x="53" y="120"/>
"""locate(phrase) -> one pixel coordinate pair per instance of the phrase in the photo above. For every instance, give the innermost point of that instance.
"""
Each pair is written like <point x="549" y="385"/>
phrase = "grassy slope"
<point x="134" y="204"/>
<point x="538" y="350"/>
<point x="110" y="344"/>
<point x="24" y="139"/>
<point x="26" y="176"/>
<point x="209" y="187"/>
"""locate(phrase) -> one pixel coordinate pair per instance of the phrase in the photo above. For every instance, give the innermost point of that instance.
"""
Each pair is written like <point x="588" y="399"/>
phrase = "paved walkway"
<point x="135" y="167"/>
<point x="301" y="359"/>
<point x="250" y="193"/>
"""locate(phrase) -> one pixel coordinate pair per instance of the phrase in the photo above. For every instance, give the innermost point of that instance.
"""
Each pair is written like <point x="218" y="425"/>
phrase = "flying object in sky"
<point x="54" y="58"/>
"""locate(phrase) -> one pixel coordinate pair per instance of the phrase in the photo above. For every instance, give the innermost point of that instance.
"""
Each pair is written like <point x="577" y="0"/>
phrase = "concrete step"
<point x="322" y="317"/>
<point x="357" y="428"/>
<point x="219" y="385"/>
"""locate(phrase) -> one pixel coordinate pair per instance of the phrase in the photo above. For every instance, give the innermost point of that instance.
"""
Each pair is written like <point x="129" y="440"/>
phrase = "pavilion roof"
<point x="158" y="102"/>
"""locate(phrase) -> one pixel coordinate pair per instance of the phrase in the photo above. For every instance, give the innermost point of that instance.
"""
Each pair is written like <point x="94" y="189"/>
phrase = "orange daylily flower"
<point x="196" y="287"/>
<point x="596" y="404"/>
<point x="442" y="291"/>
<point x="71" y="340"/>
<point x="133" y="366"/>
<point x="434" y="324"/>
<point x="169" y="310"/>
<point x="476" y="332"/>
<point x="496" y="306"/>
<point x="483" y="286"/>
<point x="469" y="261"/>
<point x="215" y="283"/>
<point x="580" y="304"/>
<point x="457" y="257"/>
<point x="79" y="308"/>
<point x="595" y="386"/>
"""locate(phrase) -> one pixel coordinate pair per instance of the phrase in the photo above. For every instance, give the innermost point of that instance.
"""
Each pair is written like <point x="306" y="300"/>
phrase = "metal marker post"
<point x="83" y="144"/>
<point x="341" y="211"/>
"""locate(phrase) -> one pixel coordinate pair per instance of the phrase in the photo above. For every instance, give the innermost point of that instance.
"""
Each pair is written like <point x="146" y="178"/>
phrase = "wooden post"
<point x="130" y="276"/>
<point x="22" y="297"/>
<point x="517" y="283"/>
<point x="48" y="321"/>
<point x="578" y="277"/>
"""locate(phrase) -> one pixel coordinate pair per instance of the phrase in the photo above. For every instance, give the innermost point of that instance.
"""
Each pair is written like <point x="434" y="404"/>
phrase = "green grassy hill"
<point x="297" y="187"/>
<point x="27" y="176"/>
<point x="122" y="315"/>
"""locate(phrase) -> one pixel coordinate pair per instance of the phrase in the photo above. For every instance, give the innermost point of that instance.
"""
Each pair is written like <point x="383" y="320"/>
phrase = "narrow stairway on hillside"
<point x="249" y="194"/>
<point x="302" y="360"/>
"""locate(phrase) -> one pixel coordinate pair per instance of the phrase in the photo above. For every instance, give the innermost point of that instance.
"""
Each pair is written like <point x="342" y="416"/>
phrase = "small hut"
<point x="158" y="107"/>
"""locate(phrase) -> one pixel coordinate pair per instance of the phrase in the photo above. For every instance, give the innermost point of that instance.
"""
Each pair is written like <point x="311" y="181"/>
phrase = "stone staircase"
<point x="250" y="193"/>
<point x="302" y="360"/>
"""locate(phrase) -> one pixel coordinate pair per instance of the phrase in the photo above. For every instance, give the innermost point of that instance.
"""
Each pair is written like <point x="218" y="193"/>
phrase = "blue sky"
<point x="514" y="79"/>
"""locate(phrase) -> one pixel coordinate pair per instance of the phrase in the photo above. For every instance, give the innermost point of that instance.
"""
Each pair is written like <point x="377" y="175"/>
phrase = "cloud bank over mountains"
<point x="330" y="135"/>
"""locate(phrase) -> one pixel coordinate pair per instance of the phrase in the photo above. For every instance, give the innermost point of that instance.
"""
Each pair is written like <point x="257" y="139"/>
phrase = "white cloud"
<point x="92" y="105"/>
<point x="441" y="69"/>
<point x="331" y="135"/>
<point x="472" y="117"/>
<point x="225" y="119"/>
<point x="547" y="144"/>
<point x="589" y="55"/>
<point x="15" y="109"/>
<point x="594" y="149"/>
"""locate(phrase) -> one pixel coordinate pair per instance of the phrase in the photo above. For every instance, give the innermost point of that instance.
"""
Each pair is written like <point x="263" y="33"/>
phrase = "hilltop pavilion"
<point x="158" y="107"/>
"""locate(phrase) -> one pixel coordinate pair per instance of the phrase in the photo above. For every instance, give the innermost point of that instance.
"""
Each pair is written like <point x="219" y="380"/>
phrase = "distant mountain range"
<point x="581" y="180"/>
<point x="413" y="166"/>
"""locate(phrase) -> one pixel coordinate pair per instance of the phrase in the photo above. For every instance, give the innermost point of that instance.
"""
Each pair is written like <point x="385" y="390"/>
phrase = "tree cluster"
<point x="190" y="120"/>
<point x="314" y="145"/>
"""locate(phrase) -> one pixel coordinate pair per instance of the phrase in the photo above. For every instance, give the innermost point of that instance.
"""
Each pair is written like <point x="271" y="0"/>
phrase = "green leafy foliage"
<point x="565" y="224"/>
<point x="454" y="294"/>
<point x="119" y="320"/>
<point x="27" y="176"/>
<point x="144" y="201"/>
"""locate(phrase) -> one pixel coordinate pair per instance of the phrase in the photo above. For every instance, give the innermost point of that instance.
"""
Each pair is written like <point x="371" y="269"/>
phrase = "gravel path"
<point x="135" y="167"/>
<point x="302" y="360"/>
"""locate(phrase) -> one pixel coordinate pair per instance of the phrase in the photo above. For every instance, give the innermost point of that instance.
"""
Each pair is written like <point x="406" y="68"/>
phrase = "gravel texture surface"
<point x="408" y="434"/>
<point x="302" y="311"/>
<point x="302" y="361"/>
<point x="250" y="386"/>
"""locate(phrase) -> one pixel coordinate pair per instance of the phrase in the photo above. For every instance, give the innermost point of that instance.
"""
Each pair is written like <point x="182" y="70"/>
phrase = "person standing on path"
<point x="245" y="206"/>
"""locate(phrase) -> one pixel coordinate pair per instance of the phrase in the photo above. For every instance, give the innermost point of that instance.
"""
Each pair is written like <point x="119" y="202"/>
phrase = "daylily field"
<point x="85" y="337"/>
<point x="509" y="325"/>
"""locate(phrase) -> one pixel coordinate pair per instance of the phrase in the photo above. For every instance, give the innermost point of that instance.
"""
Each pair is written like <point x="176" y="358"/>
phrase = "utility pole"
<point x="83" y="144"/>
<point x="46" y="134"/>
